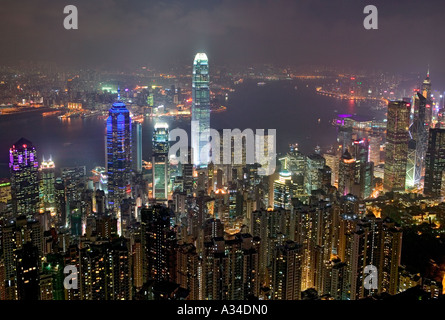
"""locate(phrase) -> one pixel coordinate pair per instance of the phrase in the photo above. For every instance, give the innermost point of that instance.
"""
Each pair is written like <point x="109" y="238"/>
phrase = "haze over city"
<point x="233" y="152"/>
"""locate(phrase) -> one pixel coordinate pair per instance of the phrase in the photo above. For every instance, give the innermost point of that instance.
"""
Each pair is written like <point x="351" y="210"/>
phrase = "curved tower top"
<point x="200" y="57"/>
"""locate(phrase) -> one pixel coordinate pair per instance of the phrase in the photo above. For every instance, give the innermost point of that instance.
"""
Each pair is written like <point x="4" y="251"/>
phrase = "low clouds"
<point x="136" y="32"/>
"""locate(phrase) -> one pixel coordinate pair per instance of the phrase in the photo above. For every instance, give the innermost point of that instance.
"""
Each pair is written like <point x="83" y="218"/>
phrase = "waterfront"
<point x="295" y="114"/>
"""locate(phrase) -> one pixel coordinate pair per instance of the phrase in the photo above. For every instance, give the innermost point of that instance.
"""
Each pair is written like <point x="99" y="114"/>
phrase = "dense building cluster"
<point x="207" y="231"/>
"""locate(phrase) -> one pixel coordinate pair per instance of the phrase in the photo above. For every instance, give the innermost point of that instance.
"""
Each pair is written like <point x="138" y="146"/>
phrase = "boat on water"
<point x="260" y="84"/>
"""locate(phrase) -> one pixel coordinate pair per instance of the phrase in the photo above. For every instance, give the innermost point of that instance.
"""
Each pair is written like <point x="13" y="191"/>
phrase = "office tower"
<point x="435" y="164"/>
<point x="374" y="149"/>
<point x="313" y="176"/>
<point x="287" y="271"/>
<point x="137" y="147"/>
<point x="74" y="179"/>
<point x="346" y="174"/>
<point x="47" y="185"/>
<point x="364" y="169"/>
<point x="419" y="140"/>
<point x="24" y="168"/>
<point x="189" y="270"/>
<point x="5" y="191"/>
<point x="160" y="161"/>
<point x="118" y="156"/>
<point x="426" y="89"/>
<point x="332" y="162"/>
<point x="158" y="240"/>
<point x="397" y="137"/>
<point x="187" y="174"/>
<point x="284" y="190"/>
<point x="200" y="109"/>
<point x="410" y="181"/>
<point x="344" y="138"/>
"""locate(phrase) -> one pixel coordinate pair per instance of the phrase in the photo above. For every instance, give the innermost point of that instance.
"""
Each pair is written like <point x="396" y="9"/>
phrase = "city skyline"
<point x="234" y="152"/>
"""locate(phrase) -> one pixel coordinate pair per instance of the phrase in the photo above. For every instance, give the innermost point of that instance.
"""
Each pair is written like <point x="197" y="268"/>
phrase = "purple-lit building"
<point x="24" y="170"/>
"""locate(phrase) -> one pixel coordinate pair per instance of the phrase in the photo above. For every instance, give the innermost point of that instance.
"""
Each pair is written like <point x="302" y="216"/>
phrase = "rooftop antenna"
<point x="118" y="93"/>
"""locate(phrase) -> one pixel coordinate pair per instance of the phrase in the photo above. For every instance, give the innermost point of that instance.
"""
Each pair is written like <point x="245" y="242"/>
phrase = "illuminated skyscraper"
<point x="284" y="190"/>
<point x="397" y="137"/>
<point x="160" y="161"/>
<point x="426" y="86"/>
<point x="435" y="163"/>
<point x="118" y="155"/>
<point x="24" y="168"/>
<point x="137" y="147"/>
<point x="419" y="139"/>
<point x="346" y="174"/>
<point x="313" y="176"/>
<point x="47" y="185"/>
<point x="200" y="108"/>
<point x="157" y="239"/>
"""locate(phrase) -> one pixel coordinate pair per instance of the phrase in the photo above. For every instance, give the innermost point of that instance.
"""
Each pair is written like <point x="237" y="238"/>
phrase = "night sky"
<point x="127" y="33"/>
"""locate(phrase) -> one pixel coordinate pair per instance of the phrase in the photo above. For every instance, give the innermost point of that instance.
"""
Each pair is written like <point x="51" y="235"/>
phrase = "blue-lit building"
<point x="118" y="155"/>
<point x="200" y="109"/>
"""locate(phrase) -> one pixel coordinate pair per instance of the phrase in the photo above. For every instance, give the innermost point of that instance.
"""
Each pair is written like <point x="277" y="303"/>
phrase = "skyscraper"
<point x="346" y="174"/>
<point x="157" y="239"/>
<point x="397" y="137"/>
<point x="47" y="185"/>
<point x="284" y="190"/>
<point x="200" y="109"/>
<point x="160" y="161"/>
<point x="137" y="147"/>
<point x="286" y="271"/>
<point x="435" y="163"/>
<point x="118" y="155"/>
<point x="24" y="168"/>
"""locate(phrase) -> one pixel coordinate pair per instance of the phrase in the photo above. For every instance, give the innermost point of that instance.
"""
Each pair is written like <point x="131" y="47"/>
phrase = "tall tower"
<point x="200" y="109"/>
<point x="160" y="161"/>
<point x="346" y="174"/>
<point x="24" y="170"/>
<point x="137" y="147"/>
<point x="435" y="163"/>
<point x="48" y="185"/>
<point x="286" y="271"/>
<point x="426" y="93"/>
<point x="397" y="137"/>
<point x="426" y="86"/>
<point x="118" y="155"/>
